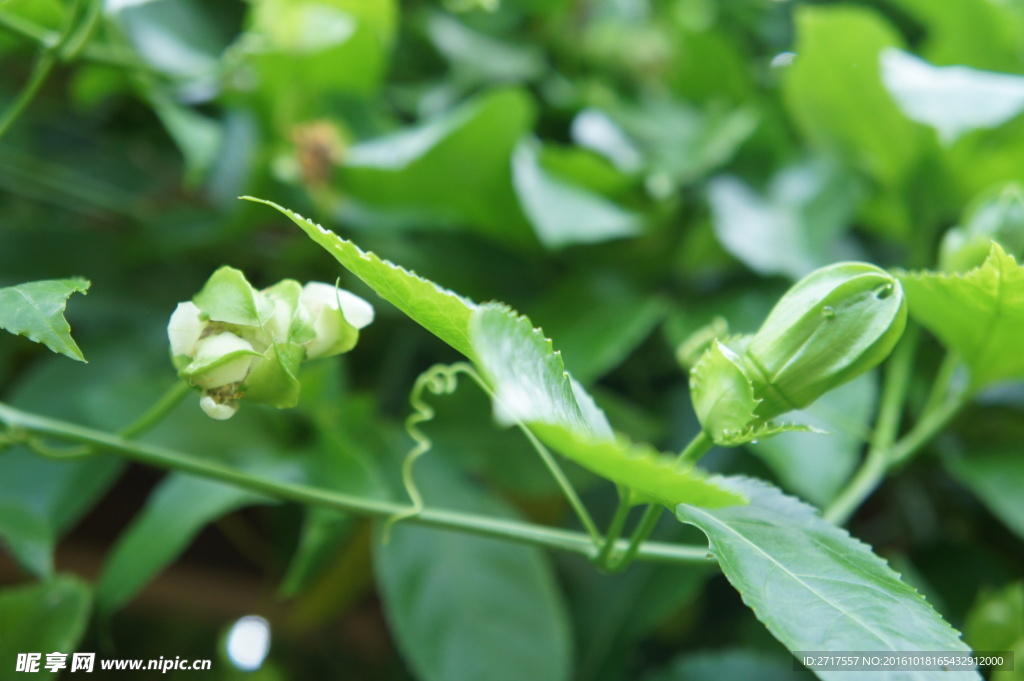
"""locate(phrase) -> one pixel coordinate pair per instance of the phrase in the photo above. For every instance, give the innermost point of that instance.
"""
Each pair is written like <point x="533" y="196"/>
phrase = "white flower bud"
<point x="216" y="410"/>
<point x="184" y="329"/>
<point x="357" y="311"/>
<point x="211" y="349"/>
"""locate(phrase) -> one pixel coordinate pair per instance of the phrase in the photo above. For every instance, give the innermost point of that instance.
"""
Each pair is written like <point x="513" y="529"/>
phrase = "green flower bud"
<point x="831" y="326"/>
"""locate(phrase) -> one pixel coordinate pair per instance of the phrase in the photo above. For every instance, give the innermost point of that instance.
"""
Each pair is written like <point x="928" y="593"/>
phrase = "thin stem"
<point x="927" y="428"/>
<point x="876" y="462"/>
<point x="698" y="447"/>
<point x="44" y="64"/>
<point x="614" y="530"/>
<point x="648" y="521"/>
<point x="77" y="41"/>
<point x="155" y="414"/>
<point x="511" y="530"/>
<point x="47" y="39"/>
<point x="552" y="465"/>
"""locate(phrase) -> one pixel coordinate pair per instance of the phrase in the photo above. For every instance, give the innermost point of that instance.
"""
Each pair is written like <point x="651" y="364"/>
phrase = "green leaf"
<point x="722" y="394"/>
<point x="531" y="386"/>
<point x="43" y="618"/>
<point x="438" y="310"/>
<point x="465" y="608"/>
<point x="455" y="168"/>
<point x="564" y="214"/>
<point x="997" y="477"/>
<point x="795" y="227"/>
<point x="996" y="622"/>
<point x="954" y="100"/>
<point x="814" y="586"/>
<point x="978" y="315"/>
<point x="28" y="537"/>
<point x="179" y="507"/>
<point x="36" y="310"/>
<point x="834" y="90"/>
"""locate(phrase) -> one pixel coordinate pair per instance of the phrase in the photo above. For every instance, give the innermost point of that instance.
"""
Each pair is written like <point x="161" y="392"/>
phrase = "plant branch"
<point x="511" y="530"/>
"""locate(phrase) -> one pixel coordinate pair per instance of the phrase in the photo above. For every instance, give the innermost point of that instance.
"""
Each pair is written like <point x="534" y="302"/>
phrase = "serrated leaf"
<point x="36" y="310"/>
<point x="815" y="587"/>
<point x="531" y="386"/>
<point x="979" y="315"/>
<point x="465" y="608"/>
<point x="43" y="618"/>
<point x="440" y="311"/>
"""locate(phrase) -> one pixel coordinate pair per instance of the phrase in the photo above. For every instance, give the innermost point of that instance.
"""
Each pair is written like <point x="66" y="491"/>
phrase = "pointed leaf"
<point x="36" y="310"/>
<point x="978" y="315"/>
<point x="815" y="587"/>
<point x="438" y="310"/>
<point x="227" y="296"/>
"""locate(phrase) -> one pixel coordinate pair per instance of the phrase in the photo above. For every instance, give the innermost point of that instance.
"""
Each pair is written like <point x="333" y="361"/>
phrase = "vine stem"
<point x="161" y="457"/>
<point x="885" y="450"/>
<point x="699" y="446"/>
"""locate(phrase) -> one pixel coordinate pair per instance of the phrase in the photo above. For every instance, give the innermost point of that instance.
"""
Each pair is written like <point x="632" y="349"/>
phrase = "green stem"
<point x="49" y="39"/>
<point x="926" y="428"/>
<point x="614" y="530"/>
<point x="155" y="414"/>
<point x="77" y="41"/>
<point x="552" y="465"/>
<point x="876" y="462"/>
<point x="511" y="530"/>
<point x="648" y="521"/>
<point x="44" y="64"/>
<point x="699" y="446"/>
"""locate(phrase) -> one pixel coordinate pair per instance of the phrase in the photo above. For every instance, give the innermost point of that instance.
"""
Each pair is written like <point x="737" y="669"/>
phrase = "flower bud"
<point x="831" y="326"/>
<point x="336" y="317"/>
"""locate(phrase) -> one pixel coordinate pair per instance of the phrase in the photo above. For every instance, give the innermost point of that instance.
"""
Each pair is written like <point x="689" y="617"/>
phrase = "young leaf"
<point x="466" y="608"/>
<point x="814" y="586"/>
<point x="440" y="311"/>
<point x="997" y="477"/>
<point x="722" y="394"/>
<point x="43" y="618"/>
<point x="979" y="315"/>
<point x="36" y="310"/>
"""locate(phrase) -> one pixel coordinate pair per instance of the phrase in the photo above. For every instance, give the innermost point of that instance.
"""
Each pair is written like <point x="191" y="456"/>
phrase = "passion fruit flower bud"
<point x="830" y="327"/>
<point x="235" y="342"/>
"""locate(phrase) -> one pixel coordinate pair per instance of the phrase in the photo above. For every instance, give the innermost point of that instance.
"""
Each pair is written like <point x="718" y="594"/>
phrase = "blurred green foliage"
<point x="622" y="171"/>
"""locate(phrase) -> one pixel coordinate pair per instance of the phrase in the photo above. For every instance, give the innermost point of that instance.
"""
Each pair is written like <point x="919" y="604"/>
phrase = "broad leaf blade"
<point x="36" y="310"/>
<point x="978" y="315"/>
<point x="438" y="310"/>
<point x="466" y="608"/>
<point x="815" y="587"/>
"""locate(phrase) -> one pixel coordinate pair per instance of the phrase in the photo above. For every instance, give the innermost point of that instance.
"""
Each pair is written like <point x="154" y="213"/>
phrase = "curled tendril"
<point x="440" y="379"/>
